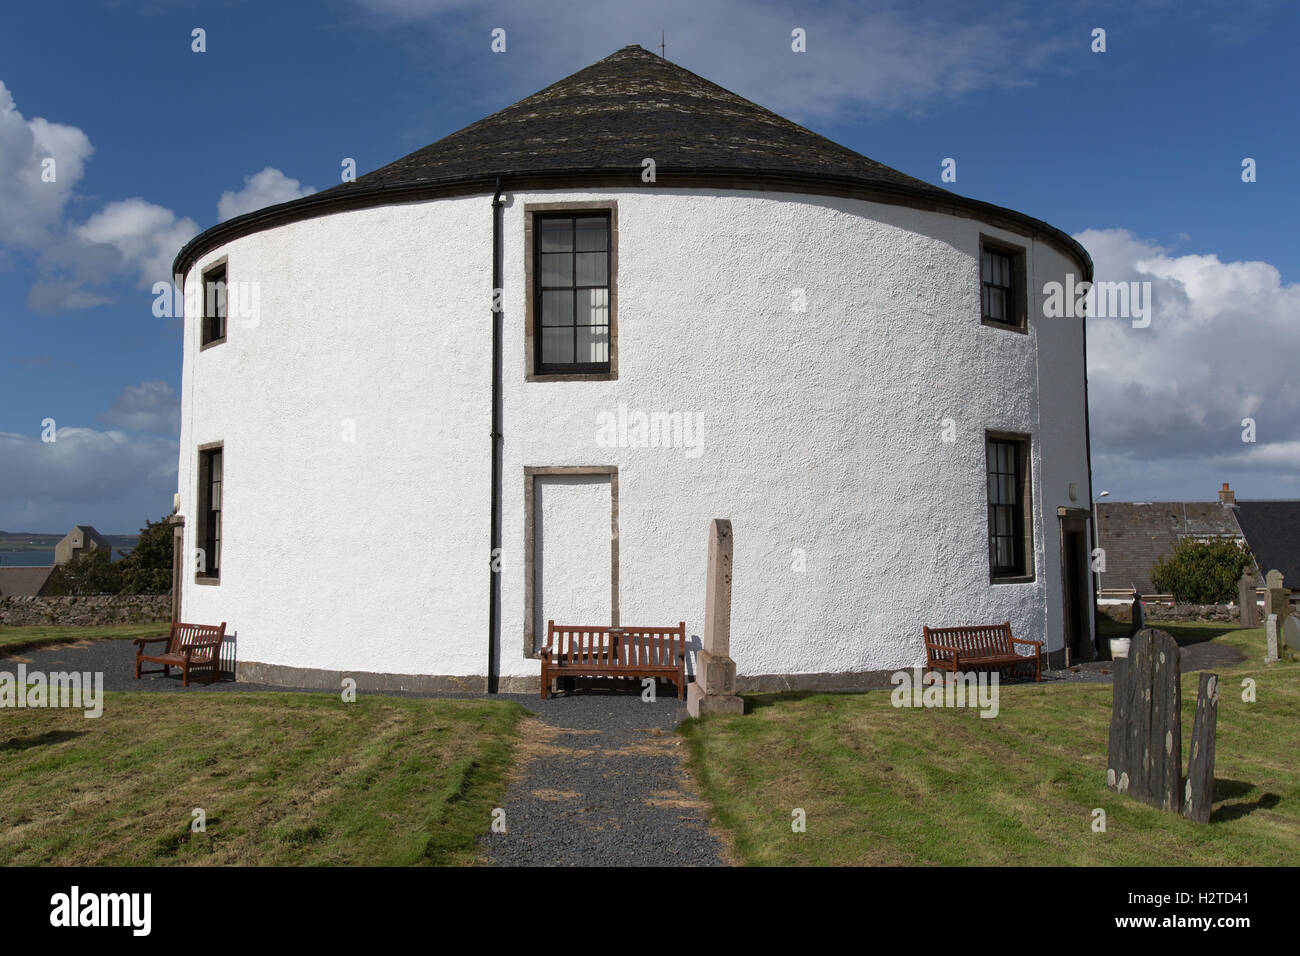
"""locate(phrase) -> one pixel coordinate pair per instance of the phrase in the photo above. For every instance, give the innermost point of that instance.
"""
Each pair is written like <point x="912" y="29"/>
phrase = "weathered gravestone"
<point x="1291" y="633"/>
<point x="1146" y="738"/>
<point x="1138" y="618"/>
<point x="1247" y="602"/>
<point x="1277" y="600"/>
<point x="714" y="689"/>
<point x="1271" y="634"/>
<point x="1198" y="799"/>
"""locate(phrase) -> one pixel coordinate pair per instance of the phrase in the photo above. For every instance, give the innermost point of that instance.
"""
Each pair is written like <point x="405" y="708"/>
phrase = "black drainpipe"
<point x="494" y="560"/>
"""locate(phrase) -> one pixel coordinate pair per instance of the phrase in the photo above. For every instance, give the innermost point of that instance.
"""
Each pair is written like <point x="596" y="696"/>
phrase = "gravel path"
<point x="600" y="781"/>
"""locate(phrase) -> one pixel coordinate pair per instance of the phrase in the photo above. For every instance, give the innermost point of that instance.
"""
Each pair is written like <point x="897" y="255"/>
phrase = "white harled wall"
<point x="821" y="430"/>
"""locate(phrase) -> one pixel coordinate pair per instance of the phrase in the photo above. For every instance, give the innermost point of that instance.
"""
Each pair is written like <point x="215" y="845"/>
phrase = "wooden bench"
<point x="188" y="646"/>
<point x="978" y="647"/>
<point x="574" y="650"/>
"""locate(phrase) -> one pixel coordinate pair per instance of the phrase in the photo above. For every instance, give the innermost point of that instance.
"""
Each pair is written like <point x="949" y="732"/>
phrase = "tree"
<point x="148" y="568"/>
<point x="90" y="572"/>
<point x="1202" y="572"/>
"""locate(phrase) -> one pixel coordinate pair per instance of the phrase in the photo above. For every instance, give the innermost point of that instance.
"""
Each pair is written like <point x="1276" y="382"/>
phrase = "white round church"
<point x="513" y="376"/>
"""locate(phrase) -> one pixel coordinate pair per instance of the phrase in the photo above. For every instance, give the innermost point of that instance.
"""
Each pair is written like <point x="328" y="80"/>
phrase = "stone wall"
<point x="1226" y="613"/>
<point x="102" y="609"/>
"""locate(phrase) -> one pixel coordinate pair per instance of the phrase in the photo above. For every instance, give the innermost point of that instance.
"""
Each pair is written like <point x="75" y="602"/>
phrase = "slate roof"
<point x="1136" y="534"/>
<point x="89" y="535"/>
<point x="596" y="127"/>
<point x="1272" y="529"/>
<point x="23" y="581"/>
<point x="622" y="109"/>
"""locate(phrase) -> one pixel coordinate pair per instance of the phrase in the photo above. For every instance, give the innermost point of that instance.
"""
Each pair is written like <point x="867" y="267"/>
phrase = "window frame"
<point x="1022" y="536"/>
<point x="204" y="512"/>
<point x="206" y="340"/>
<point x="533" y="369"/>
<point x="1018" y="290"/>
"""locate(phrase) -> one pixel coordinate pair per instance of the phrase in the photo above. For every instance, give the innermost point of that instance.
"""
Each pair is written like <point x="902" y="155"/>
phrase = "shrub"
<point x="146" y="570"/>
<point x="1202" y="572"/>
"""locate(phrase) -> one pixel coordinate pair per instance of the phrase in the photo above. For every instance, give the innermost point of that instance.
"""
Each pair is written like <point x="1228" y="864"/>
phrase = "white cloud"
<point x="33" y="208"/>
<point x="882" y="57"/>
<point x="147" y="407"/>
<point x="104" y="478"/>
<point x="146" y="236"/>
<point x="265" y="188"/>
<point x="1167" y="402"/>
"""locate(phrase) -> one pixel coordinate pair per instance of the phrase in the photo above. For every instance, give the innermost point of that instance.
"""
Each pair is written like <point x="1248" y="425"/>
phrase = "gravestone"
<point x="1199" y="796"/>
<point x="714" y="689"/>
<point x="1146" y="740"/>
<point x="1272" y="633"/>
<point x="1138" y="618"/>
<point x="1277" y="600"/>
<point x="1247" y="601"/>
<point x="1291" y="633"/>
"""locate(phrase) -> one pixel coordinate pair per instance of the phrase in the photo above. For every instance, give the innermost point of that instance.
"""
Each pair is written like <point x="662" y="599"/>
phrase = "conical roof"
<point x="596" y="127"/>
<point x="620" y="110"/>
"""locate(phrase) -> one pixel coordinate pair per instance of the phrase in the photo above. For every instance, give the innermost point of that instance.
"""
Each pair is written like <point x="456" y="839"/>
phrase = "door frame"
<point x="530" y="523"/>
<point x="1075" y="521"/>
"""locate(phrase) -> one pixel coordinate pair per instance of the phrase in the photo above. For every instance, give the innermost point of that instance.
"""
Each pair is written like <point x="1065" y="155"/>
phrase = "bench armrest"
<point x="942" y="647"/>
<point x="141" y="641"/>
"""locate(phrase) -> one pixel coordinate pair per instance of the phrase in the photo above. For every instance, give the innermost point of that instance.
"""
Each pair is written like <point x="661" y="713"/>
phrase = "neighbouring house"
<point x="24" y="581"/>
<point x="513" y="376"/>
<point x="1137" y="534"/>
<point x="82" y="539"/>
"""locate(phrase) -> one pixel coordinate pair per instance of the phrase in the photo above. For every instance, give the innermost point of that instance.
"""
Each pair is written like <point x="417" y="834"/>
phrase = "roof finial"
<point x="661" y="45"/>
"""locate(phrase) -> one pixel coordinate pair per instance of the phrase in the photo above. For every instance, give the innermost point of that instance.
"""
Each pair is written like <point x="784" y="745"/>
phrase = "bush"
<point x="1202" y="572"/>
<point x="146" y="570"/>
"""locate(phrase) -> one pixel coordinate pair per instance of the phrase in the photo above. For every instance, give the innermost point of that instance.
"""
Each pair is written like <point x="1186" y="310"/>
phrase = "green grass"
<point x="14" y="639"/>
<point x="885" y="785"/>
<point x="284" y="779"/>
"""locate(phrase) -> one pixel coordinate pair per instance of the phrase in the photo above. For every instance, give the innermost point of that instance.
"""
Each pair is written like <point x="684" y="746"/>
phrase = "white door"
<point x="572" y="550"/>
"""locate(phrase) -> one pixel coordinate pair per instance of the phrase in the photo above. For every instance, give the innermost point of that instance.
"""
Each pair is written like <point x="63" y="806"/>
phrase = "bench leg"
<point x="185" y="675"/>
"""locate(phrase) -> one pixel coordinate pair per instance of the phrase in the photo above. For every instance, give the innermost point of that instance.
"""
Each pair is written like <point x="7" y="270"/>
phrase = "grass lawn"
<point x="284" y="779"/>
<point x="886" y="785"/>
<point x="14" y="639"/>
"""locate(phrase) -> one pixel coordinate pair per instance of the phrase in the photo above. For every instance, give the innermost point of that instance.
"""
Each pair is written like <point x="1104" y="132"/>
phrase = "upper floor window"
<point x="1002" y="285"/>
<point x="1010" y="520"/>
<point x="214" y="306"/>
<point x="572" y="292"/>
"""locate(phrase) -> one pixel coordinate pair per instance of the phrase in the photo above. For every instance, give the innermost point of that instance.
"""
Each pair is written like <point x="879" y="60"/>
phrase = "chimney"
<point x="1227" y="496"/>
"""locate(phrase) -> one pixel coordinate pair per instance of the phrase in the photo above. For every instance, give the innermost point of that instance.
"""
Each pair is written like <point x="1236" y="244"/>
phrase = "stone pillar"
<point x="178" y="564"/>
<point x="1273" y="634"/>
<point x="1246" y="601"/>
<point x="714" y="689"/>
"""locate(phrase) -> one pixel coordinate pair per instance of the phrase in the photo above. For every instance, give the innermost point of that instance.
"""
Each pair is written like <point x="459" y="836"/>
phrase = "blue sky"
<point x="1137" y="151"/>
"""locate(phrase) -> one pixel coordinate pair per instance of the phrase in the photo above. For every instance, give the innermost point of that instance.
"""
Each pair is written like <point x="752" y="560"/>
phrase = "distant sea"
<point x="39" y="557"/>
